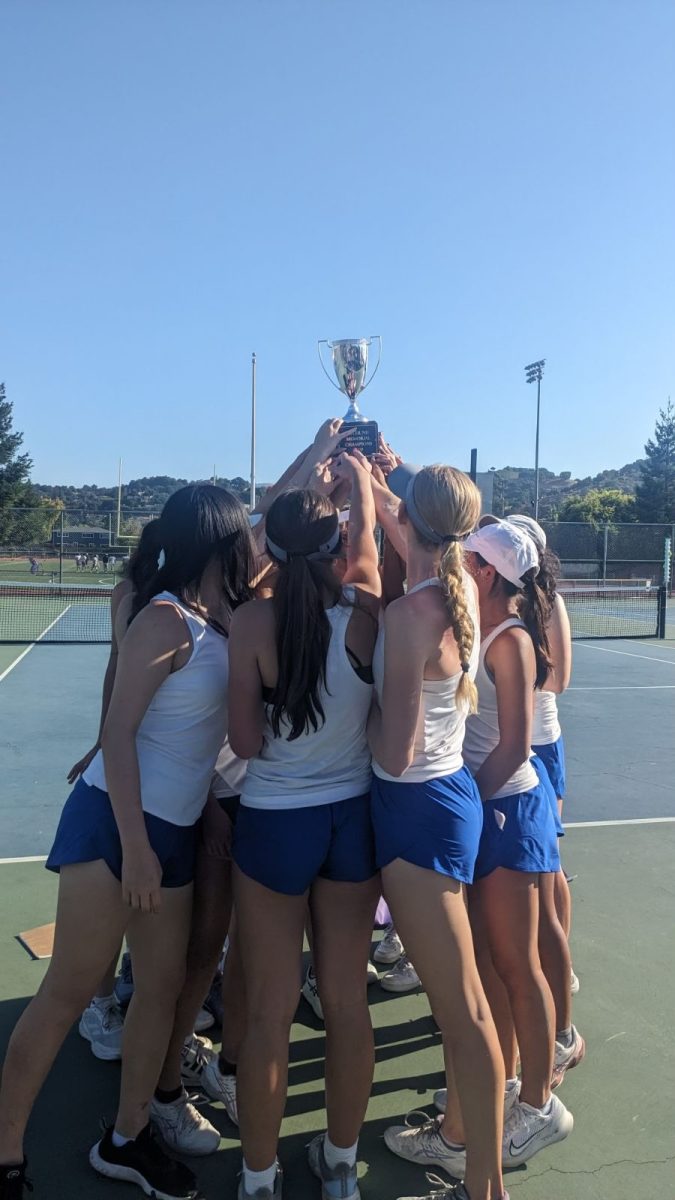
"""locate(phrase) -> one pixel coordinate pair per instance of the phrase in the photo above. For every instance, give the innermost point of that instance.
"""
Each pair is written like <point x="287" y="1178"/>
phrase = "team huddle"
<point x="346" y="695"/>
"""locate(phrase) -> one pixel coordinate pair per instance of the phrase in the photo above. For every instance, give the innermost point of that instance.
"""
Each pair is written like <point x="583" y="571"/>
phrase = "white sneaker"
<point x="199" y="1068"/>
<point x="102" y="1026"/>
<point x="390" y="948"/>
<point x="273" y="1193"/>
<point x="372" y="974"/>
<point x="402" y="978"/>
<point x="529" y="1130"/>
<point x="424" y="1145"/>
<point x="205" y="1020"/>
<point x="310" y="992"/>
<point x="567" y="1057"/>
<point x="511" y="1094"/>
<point x="183" y="1127"/>
<point x="574" y="984"/>
<point x="442" y="1190"/>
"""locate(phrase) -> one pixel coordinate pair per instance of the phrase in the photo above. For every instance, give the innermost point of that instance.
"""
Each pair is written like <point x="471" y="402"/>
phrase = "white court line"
<point x="28" y="649"/>
<point x="8" y="862"/>
<point x="626" y="653"/>
<point x="631" y="821"/>
<point x="625" y="687"/>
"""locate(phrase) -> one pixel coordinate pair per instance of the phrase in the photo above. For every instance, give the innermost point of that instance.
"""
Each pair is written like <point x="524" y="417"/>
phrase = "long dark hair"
<point x="198" y="523"/>
<point x="299" y="523"/>
<point x="534" y="610"/>
<point x="142" y="565"/>
<point x="549" y="574"/>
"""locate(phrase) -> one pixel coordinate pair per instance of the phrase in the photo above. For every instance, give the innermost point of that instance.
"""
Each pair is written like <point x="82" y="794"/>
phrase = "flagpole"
<point x="253" y="416"/>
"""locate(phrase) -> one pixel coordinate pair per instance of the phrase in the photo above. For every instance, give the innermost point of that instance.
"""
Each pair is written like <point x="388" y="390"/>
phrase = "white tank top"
<point x="545" y="724"/>
<point x="437" y="749"/>
<point x="326" y="765"/>
<point x="228" y="777"/>
<point x="178" y="740"/>
<point x="482" y="728"/>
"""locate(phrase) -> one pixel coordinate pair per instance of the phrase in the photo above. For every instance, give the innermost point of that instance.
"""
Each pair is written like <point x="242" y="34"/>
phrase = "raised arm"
<point x="363" y="561"/>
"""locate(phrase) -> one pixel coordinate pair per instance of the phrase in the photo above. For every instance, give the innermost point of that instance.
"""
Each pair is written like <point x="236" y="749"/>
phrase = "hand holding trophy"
<point x="350" y="363"/>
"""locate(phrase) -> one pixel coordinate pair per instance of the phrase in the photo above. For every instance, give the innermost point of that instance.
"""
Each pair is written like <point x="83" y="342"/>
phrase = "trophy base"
<point x="362" y="435"/>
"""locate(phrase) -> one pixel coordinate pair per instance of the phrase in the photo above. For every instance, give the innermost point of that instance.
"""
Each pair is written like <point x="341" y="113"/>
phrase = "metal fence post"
<point x="604" y="551"/>
<point x="61" y="550"/>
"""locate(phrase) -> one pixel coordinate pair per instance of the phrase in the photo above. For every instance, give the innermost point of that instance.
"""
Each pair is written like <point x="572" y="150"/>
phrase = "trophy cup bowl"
<point x="350" y="364"/>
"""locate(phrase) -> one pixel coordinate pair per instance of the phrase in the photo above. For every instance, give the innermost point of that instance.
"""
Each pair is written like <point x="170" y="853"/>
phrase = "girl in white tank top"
<point x="300" y="691"/>
<point x="519" y="840"/>
<point x="426" y="808"/>
<point x="125" y="855"/>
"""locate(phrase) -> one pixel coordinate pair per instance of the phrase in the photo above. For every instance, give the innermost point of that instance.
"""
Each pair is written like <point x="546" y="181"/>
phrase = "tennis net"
<point x="615" y="608"/>
<point x="39" y="612"/>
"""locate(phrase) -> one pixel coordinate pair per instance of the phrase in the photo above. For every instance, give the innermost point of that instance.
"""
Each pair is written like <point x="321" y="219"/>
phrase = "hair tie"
<point x="466" y="667"/>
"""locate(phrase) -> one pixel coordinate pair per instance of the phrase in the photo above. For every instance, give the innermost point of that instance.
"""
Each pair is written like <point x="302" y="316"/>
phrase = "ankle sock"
<point x="253" y="1180"/>
<point x="565" y="1037"/>
<point x="226" y="1067"/>
<point x="336" y="1154"/>
<point x="448" y="1143"/>
<point x="119" y="1141"/>
<point x="510" y="1084"/>
<point x="170" y="1096"/>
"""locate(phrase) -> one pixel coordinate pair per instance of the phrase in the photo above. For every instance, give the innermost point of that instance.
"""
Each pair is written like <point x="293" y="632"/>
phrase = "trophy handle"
<point x="325" y="342"/>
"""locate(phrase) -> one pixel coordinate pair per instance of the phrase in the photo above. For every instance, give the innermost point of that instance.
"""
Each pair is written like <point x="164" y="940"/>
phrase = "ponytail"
<point x="452" y="582"/>
<point x="303" y="634"/>
<point x="535" y="611"/>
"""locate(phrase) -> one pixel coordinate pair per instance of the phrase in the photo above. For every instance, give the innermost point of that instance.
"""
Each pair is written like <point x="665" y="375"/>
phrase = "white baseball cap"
<point x="530" y="526"/>
<point x="507" y="548"/>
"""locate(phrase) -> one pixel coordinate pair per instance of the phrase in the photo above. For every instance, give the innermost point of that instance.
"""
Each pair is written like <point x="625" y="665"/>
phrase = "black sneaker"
<point x="13" y="1182"/>
<point x="143" y="1162"/>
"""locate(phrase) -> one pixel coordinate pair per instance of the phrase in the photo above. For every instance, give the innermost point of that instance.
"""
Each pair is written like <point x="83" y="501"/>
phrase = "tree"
<point x="655" y="493"/>
<point x="599" y="506"/>
<point x="21" y="515"/>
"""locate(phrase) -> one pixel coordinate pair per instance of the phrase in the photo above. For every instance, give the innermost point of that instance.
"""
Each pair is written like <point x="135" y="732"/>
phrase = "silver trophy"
<point x="350" y="363"/>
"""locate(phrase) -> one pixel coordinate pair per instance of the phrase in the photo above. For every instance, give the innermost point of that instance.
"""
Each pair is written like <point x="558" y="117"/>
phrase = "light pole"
<point x="534" y="372"/>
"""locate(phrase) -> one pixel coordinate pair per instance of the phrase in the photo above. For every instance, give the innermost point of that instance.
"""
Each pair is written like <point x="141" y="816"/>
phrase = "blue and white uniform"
<point x="520" y="830"/>
<point x="305" y="803"/>
<point x="177" y="745"/>
<point x="431" y="816"/>
<point x="547" y="741"/>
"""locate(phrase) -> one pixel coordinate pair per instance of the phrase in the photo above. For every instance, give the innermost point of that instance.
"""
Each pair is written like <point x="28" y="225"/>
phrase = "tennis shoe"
<point x="102" y="1026"/>
<point x="442" y="1190"/>
<point x="528" y="1130"/>
<point x="273" y="1193"/>
<point x="372" y="974"/>
<point x="310" y="991"/>
<point x="423" y="1143"/>
<point x="13" y="1182"/>
<point x="143" y="1162"/>
<point x="511" y="1095"/>
<point x="402" y="978"/>
<point x="567" y="1057"/>
<point x="337" y="1183"/>
<point x="199" y="1068"/>
<point x="390" y="948"/>
<point x="183" y="1127"/>
<point x="574" y="984"/>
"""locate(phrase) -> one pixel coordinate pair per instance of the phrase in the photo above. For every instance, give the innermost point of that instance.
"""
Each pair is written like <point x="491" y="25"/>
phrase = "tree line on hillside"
<point x="640" y="491"/>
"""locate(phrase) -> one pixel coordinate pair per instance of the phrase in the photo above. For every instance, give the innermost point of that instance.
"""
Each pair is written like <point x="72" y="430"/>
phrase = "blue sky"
<point x="482" y="182"/>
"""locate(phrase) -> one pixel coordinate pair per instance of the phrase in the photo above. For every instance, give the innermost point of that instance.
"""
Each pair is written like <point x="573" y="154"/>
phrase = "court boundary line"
<point x="32" y="646"/>
<point x="40" y="858"/>
<point x="625" y="653"/>
<point x="623" y="687"/>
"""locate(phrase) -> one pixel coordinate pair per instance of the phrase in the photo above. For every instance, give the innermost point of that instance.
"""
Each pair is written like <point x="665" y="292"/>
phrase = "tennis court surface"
<point x="618" y="717"/>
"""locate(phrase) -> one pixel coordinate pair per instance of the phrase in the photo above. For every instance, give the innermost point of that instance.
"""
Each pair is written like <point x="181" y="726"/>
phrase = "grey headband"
<point x="325" y="548"/>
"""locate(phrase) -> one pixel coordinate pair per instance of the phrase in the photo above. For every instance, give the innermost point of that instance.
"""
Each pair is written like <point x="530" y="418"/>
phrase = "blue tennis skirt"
<point x="436" y="824"/>
<point x="553" y="758"/>
<point x="87" y="831"/>
<point x="520" y="832"/>
<point x="286" y="849"/>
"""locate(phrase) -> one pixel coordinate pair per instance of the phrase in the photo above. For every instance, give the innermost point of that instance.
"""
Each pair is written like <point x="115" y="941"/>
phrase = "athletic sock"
<point x="544" y="1111"/>
<point x="226" y="1067"/>
<point x="169" y="1097"/>
<point x="448" y="1143"/>
<point x="510" y="1084"/>
<point x="119" y="1141"/>
<point x="253" y="1180"/>
<point x="565" y="1037"/>
<point x="336" y="1154"/>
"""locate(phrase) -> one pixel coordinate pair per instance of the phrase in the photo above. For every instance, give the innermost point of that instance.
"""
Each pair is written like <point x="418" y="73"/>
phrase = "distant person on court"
<point x="126" y="840"/>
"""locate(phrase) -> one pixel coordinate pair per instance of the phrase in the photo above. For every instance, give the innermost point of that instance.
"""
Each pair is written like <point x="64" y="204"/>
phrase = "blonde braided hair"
<point x="450" y="503"/>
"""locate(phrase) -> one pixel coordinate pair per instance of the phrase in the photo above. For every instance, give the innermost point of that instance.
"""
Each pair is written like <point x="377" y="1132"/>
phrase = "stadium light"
<point x="533" y="374"/>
